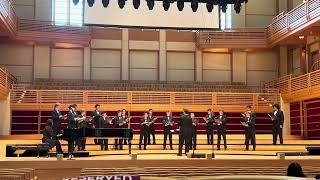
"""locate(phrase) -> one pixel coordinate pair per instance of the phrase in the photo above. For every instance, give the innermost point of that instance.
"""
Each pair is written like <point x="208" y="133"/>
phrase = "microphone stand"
<point x="212" y="147"/>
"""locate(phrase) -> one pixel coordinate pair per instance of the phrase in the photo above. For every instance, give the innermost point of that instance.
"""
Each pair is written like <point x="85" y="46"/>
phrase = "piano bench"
<point x="27" y="149"/>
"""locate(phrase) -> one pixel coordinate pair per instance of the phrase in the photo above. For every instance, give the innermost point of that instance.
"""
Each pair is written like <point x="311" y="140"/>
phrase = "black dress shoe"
<point x="171" y="148"/>
<point x="179" y="154"/>
<point x="145" y="148"/>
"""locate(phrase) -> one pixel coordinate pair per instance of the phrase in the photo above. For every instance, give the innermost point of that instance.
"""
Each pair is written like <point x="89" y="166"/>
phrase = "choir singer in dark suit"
<point x="168" y="126"/>
<point x="250" y="130"/>
<point x="277" y="124"/>
<point x="185" y="131"/>
<point x="56" y="117"/>
<point x="221" y="122"/>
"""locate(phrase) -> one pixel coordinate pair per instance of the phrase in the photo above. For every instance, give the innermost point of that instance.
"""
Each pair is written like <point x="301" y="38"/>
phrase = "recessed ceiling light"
<point x="301" y="37"/>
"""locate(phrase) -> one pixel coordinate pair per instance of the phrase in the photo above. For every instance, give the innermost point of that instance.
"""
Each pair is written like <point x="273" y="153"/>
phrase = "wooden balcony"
<point x="285" y="25"/>
<point x="298" y="88"/>
<point x="235" y="38"/>
<point x="31" y="99"/>
<point x="44" y="31"/>
<point x="8" y="18"/>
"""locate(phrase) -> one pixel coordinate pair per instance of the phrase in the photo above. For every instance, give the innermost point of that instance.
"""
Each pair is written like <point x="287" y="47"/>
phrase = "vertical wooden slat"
<point x="301" y="118"/>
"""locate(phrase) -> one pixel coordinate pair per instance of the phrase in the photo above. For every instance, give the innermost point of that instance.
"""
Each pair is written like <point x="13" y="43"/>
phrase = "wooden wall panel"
<point x="105" y="64"/>
<point x="143" y="65"/>
<point x="180" y="66"/>
<point x="216" y="67"/>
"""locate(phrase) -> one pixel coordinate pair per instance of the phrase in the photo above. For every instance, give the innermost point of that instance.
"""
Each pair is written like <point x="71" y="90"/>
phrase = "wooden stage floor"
<point x="265" y="155"/>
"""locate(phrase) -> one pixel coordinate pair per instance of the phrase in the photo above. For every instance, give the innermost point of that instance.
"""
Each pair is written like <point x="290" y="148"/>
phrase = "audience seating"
<point x="17" y="174"/>
<point x="193" y="171"/>
<point x="109" y="85"/>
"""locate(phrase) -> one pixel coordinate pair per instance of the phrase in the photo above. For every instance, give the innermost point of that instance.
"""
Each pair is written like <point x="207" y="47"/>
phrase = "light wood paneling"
<point x="144" y="65"/>
<point x="180" y="66"/>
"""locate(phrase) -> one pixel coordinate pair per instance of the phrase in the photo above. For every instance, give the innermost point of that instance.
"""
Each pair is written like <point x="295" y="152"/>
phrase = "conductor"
<point x="185" y="126"/>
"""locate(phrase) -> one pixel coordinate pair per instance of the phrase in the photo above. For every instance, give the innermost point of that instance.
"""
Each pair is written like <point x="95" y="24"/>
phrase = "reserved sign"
<point x="106" y="178"/>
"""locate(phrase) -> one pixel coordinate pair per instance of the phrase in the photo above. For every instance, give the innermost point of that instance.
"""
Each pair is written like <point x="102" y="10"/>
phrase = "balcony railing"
<point x="48" y="31"/>
<point x="300" y="17"/>
<point x="235" y="38"/>
<point x="6" y="81"/>
<point x="23" y="98"/>
<point x="301" y="87"/>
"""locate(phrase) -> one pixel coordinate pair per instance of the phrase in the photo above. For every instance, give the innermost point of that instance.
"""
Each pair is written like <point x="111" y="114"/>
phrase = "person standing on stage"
<point x="221" y="122"/>
<point x="96" y="117"/>
<point x="250" y="130"/>
<point x="144" y="131"/>
<point x="56" y="117"/>
<point x="117" y="121"/>
<point x="185" y="131"/>
<point x="210" y="124"/>
<point x="72" y="124"/>
<point x="51" y="138"/>
<point x="277" y="124"/>
<point x="152" y="127"/>
<point x="125" y="123"/>
<point x="194" y="132"/>
<point x="168" y="123"/>
<point x="102" y="122"/>
<point x="82" y="123"/>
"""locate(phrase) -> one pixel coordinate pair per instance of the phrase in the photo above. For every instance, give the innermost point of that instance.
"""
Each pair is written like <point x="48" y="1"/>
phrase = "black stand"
<point x="212" y="147"/>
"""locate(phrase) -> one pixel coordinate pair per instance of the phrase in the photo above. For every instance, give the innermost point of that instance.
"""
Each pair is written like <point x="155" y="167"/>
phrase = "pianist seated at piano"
<point x="50" y="137"/>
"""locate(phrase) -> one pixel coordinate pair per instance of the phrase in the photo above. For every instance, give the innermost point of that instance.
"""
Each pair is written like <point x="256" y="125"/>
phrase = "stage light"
<point x="121" y="3"/>
<point x="105" y="3"/>
<point x="209" y="5"/>
<point x="75" y="2"/>
<point x="166" y="5"/>
<point x="224" y="8"/>
<point x="136" y="4"/>
<point x="90" y="3"/>
<point x="150" y="4"/>
<point x="237" y="6"/>
<point x="180" y="5"/>
<point x="194" y="5"/>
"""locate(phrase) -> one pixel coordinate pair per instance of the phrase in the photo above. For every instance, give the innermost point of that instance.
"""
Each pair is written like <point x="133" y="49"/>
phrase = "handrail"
<point x="300" y="16"/>
<point x="299" y="87"/>
<point x="22" y="97"/>
<point x="6" y="81"/>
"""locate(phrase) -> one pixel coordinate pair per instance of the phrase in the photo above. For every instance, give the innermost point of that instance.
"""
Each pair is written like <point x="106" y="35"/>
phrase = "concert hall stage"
<point x="235" y="156"/>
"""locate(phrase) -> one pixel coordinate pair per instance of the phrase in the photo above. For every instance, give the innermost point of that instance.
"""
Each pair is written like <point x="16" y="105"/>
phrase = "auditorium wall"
<point x="143" y="60"/>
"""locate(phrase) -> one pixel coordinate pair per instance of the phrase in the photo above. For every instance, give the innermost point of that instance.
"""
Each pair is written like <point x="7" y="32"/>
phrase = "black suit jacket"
<point x="251" y="121"/>
<point x="223" y="120"/>
<point x="185" y="125"/>
<point x="279" y="118"/>
<point x="167" y="119"/>
<point x="56" y="116"/>
<point x="72" y="119"/>
<point x="210" y="122"/>
<point x="96" y="117"/>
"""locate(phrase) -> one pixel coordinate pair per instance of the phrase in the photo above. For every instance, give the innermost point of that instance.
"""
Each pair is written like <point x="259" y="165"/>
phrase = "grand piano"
<point x="99" y="133"/>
